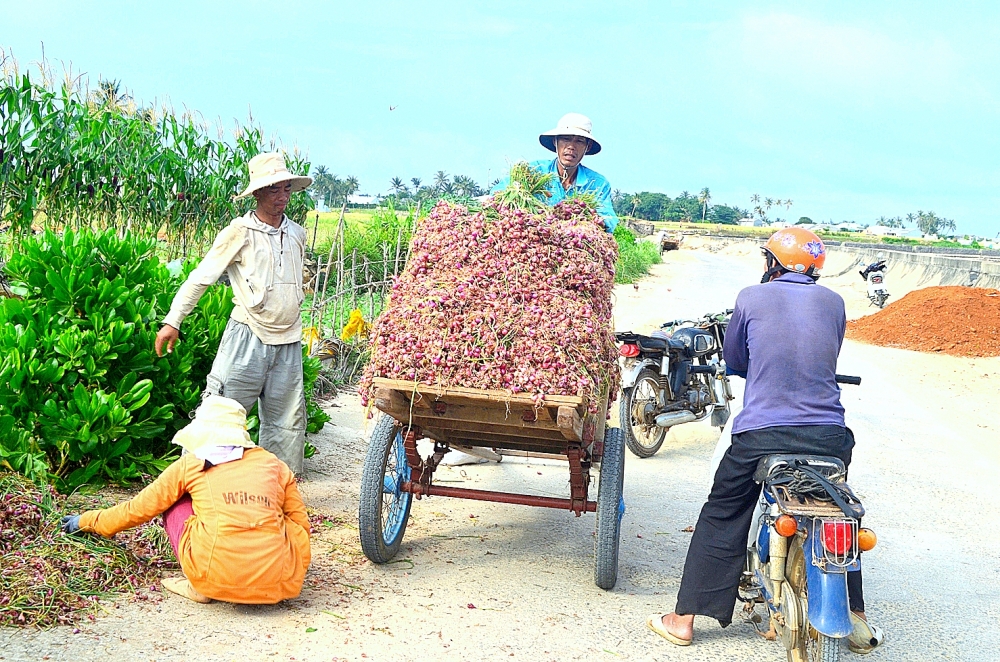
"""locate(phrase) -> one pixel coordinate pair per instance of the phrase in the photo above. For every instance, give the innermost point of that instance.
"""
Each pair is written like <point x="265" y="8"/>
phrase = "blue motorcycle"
<point x="807" y="540"/>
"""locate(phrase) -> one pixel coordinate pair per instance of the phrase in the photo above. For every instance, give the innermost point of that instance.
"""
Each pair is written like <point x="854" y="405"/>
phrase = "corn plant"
<point x="71" y="156"/>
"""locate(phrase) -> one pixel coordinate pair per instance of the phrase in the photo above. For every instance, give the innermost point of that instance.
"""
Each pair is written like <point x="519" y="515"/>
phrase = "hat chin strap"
<point x="774" y="268"/>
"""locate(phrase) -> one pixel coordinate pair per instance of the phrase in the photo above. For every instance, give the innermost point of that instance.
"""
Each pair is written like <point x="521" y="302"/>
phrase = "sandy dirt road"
<point x="478" y="581"/>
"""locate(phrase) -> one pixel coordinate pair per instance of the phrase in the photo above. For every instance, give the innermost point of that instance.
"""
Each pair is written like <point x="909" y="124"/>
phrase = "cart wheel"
<point x="384" y="507"/>
<point x="610" y="509"/>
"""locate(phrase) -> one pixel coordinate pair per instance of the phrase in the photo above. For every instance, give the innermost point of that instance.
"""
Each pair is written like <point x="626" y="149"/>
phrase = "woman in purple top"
<point x="784" y="338"/>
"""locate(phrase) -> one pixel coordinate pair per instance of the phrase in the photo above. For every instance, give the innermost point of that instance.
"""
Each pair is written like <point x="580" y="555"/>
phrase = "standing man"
<point x="260" y="356"/>
<point x="784" y="339"/>
<point x="571" y="140"/>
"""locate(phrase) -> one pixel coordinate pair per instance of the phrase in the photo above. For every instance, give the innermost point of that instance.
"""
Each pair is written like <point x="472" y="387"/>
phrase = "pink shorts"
<point x="174" y="518"/>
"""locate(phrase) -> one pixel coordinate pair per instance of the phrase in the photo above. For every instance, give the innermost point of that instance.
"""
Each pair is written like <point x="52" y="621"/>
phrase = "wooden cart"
<point x="394" y="472"/>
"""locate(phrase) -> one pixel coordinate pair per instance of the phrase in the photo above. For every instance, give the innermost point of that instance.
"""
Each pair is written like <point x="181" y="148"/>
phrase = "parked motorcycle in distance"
<point x="874" y="275"/>
<point x="806" y="541"/>
<point x="674" y="376"/>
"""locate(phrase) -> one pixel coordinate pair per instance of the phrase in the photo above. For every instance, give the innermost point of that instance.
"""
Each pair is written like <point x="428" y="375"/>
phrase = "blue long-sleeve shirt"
<point x="786" y="336"/>
<point x="587" y="181"/>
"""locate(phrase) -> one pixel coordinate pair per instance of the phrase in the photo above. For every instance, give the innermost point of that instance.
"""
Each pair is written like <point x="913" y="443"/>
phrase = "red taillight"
<point x="629" y="351"/>
<point x="838" y="537"/>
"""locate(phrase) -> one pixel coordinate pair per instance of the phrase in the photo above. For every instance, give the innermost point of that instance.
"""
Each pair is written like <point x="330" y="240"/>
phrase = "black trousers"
<point x="717" y="554"/>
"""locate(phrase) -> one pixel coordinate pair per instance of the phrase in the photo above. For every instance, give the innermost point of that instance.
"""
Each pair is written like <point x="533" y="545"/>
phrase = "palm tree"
<point x="441" y="180"/>
<point x="350" y="185"/>
<point x="416" y="183"/>
<point x="636" y="201"/>
<point x="461" y="184"/>
<point x="397" y="186"/>
<point x="911" y="217"/>
<point x="704" y="199"/>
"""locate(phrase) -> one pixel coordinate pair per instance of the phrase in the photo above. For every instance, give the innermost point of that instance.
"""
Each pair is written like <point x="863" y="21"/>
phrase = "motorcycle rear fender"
<point x="829" y="610"/>
<point x="629" y="378"/>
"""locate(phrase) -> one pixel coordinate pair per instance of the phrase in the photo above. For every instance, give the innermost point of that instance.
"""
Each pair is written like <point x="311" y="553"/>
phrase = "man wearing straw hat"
<point x="260" y="356"/>
<point x="232" y="512"/>
<point x="571" y="140"/>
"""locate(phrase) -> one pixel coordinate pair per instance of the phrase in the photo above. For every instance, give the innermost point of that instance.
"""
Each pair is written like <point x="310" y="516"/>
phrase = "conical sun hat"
<point x="571" y="124"/>
<point x="219" y="421"/>
<point x="269" y="168"/>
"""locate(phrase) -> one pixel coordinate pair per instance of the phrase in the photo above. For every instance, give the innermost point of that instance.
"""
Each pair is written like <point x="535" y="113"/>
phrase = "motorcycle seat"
<point x="658" y="342"/>
<point x="824" y="464"/>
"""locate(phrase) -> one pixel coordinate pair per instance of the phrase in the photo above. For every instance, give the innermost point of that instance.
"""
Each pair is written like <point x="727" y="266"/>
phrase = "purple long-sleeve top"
<point x="785" y="336"/>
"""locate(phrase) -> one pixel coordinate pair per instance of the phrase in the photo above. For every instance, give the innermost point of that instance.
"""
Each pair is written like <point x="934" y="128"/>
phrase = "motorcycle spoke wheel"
<point x="642" y="436"/>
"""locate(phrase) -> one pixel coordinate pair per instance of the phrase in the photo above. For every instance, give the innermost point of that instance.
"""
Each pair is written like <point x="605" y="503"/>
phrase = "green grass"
<point x="634" y="257"/>
<point x="328" y="220"/>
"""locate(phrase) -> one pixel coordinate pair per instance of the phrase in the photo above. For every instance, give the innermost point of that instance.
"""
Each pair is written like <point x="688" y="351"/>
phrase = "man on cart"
<point x="571" y="140"/>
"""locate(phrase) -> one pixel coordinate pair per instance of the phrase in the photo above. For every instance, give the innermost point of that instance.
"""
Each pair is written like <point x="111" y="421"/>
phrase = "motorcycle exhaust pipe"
<point x="673" y="418"/>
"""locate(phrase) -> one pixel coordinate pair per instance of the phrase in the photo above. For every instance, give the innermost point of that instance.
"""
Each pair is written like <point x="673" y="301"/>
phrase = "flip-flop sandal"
<point x="655" y="623"/>
<point x="865" y="638"/>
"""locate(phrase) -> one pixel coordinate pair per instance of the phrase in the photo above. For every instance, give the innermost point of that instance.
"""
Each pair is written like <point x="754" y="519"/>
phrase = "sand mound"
<point x="961" y="321"/>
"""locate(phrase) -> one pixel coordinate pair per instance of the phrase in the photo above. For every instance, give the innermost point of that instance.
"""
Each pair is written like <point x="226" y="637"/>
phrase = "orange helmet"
<point x="794" y="249"/>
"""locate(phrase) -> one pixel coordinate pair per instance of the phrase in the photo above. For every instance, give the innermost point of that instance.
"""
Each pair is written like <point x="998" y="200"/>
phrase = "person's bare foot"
<point x="681" y="627"/>
<point x="182" y="587"/>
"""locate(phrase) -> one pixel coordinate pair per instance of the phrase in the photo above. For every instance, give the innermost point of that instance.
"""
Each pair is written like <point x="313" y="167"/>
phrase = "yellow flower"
<point x="310" y="335"/>
<point x="356" y="326"/>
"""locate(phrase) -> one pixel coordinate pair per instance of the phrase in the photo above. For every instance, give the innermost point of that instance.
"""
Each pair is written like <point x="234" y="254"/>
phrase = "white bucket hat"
<point x="219" y="421"/>
<point x="571" y="124"/>
<point x="269" y="168"/>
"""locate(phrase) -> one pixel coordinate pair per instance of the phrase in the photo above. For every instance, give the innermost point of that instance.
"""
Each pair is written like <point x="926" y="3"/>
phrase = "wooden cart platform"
<point x="492" y="419"/>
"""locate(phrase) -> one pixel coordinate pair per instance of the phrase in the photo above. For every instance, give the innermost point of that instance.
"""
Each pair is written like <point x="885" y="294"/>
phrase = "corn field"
<point x="73" y="156"/>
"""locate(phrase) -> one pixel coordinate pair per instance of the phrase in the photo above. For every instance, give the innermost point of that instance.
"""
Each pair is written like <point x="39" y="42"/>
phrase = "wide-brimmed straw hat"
<point x="571" y="124"/>
<point x="219" y="421"/>
<point x="269" y="168"/>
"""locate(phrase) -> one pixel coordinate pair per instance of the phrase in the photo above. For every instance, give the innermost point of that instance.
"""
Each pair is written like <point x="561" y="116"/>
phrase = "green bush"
<point x="77" y="354"/>
<point x="634" y="257"/>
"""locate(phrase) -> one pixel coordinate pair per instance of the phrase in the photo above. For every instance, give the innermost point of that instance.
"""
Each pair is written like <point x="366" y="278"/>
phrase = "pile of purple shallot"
<point x="503" y="299"/>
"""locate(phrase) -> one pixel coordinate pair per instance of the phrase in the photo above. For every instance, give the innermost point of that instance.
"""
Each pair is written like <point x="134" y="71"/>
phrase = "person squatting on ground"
<point x="232" y="512"/>
<point x="260" y="355"/>
<point x="571" y="140"/>
<point x="784" y="337"/>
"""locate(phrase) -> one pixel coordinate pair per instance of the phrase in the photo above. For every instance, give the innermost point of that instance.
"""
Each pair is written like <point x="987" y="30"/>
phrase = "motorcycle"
<point x="674" y="376"/>
<point x="874" y="275"/>
<point x="807" y="540"/>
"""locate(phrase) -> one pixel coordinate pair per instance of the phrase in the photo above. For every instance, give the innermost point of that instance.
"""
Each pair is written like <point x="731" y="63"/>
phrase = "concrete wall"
<point x="927" y="269"/>
<point x="908" y="268"/>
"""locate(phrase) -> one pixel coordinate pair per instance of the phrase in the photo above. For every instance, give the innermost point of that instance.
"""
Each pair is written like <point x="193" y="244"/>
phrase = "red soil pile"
<point x="961" y="321"/>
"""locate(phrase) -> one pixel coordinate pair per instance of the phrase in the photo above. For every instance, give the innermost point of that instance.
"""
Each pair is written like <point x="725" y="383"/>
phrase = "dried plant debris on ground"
<point x="503" y="299"/>
<point x="961" y="321"/>
<point x="50" y="578"/>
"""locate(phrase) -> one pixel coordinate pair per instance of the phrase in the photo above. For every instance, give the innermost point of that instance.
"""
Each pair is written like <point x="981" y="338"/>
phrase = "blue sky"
<point x="853" y="110"/>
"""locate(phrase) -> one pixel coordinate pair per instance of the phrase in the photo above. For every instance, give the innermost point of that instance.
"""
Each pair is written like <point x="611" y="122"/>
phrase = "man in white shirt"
<point x="260" y="356"/>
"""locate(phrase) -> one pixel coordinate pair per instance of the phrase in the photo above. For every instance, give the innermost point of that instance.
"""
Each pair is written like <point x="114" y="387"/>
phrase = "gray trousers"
<point x="248" y="371"/>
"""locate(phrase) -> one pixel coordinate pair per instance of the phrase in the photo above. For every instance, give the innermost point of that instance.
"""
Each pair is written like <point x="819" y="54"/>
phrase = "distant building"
<point x="883" y="231"/>
<point x="363" y="199"/>
<point x="750" y="222"/>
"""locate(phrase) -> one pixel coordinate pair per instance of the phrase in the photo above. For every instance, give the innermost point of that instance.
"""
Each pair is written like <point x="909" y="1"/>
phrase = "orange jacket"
<point x="248" y="540"/>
